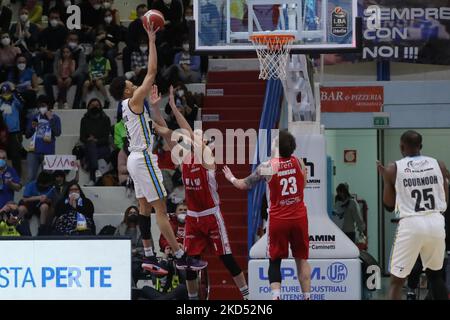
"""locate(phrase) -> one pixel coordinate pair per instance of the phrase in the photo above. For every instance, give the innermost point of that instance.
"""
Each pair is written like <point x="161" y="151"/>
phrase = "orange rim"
<point x="273" y="41"/>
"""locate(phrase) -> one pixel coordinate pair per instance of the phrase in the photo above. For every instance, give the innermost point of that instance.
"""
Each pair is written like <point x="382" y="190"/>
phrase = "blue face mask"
<point x="2" y="163"/>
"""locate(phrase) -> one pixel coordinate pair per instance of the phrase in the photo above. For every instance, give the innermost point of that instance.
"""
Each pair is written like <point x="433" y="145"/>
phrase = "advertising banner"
<point x="352" y="99"/>
<point x="403" y="31"/>
<point x="330" y="280"/>
<point x="65" y="269"/>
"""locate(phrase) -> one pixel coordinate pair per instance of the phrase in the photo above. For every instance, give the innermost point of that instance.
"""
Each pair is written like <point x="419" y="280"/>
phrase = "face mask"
<point x="180" y="93"/>
<point x="181" y="217"/>
<point x="43" y="110"/>
<point x="54" y="23"/>
<point x="106" y="5"/>
<point x="94" y="111"/>
<point x="67" y="3"/>
<point x="2" y="163"/>
<point x="186" y="47"/>
<point x="167" y="2"/>
<point x="132" y="218"/>
<point x="143" y="48"/>
<point x="72" y="45"/>
<point x="189" y="18"/>
<point x="24" y="17"/>
<point x="6" y="41"/>
<point x="108" y="19"/>
<point x="21" y="66"/>
<point x="97" y="6"/>
<point x="76" y="195"/>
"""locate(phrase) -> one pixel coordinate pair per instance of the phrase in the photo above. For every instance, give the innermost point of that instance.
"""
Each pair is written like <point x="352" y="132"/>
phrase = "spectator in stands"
<point x="122" y="170"/>
<point x="173" y="13"/>
<point x="177" y="222"/>
<point x="74" y="213"/>
<point x="112" y="38"/>
<point x="185" y="102"/>
<point x="61" y="184"/>
<point x="12" y="223"/>
<point x="99" y="68"/>
<point x="129" y="228"/>
<point x="185" y="68"/>
<point x="35" y="10"/>
<point x="135" y="30"/>
<point x="51" y="39"/>
<point x="10" y="108"/>
<point x="5" y="17"/>
<point x="91" y="18"/>
<point x="25" y="34"/>
<point x="139" y="60"/>
<point x="8" y="54"/>
<point x="77" y="77"/>
<point x="25" y="80"/>
<point x="108" y="5"/>
<point x="347" y="207"/>
<point x="38" y="198"/>
<point x="43" y="129"/>
<point x="9" y="180"/>
<point x="188" y="17"/>
<point x="95" y="130"/>
<point x="65" y="67"/>
<point x="4" y="135"/>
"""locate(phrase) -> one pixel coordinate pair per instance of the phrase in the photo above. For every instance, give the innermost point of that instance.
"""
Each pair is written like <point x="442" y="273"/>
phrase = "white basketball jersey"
<point x="419" y="187"/>
<point x="139" y="128"/>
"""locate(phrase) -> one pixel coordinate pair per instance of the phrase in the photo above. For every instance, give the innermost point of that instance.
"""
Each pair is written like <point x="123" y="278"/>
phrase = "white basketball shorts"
<point x="147" y="177"/>
<point x="418" y="235"/>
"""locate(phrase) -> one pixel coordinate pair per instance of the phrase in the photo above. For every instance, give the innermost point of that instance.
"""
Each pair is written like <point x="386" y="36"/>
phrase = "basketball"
<point x="154" y="16"/>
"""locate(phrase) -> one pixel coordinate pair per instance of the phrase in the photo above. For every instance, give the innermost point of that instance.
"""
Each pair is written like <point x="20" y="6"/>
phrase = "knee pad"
<point x="230" y="263"/>
<point x="144" y="226"/>
<point x="275" y="270"/>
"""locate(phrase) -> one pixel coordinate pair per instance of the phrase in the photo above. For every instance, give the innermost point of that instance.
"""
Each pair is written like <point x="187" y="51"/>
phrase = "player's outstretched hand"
<point x="380" y="167"/>
<point x="227" y="172"/>
<point x="155" y="96"/>
<point x="151" y="32"/>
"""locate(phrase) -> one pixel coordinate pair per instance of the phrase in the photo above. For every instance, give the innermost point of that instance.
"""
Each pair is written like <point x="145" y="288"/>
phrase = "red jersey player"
<point x="288" y="222"/>
<point x="204" y="225"/>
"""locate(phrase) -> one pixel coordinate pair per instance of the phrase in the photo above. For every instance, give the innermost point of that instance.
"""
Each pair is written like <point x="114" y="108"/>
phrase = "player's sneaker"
<point x="152" y="265"/>
<point x="189" y="263"/>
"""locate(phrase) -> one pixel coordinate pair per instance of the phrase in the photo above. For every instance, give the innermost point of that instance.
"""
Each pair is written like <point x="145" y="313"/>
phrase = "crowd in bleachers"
<point x="44" y="67"/>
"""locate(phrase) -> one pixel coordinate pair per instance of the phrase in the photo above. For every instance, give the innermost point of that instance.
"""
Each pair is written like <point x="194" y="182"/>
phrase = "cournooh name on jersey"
<point x="419" y="186"/>
<point x="139" y="127"/>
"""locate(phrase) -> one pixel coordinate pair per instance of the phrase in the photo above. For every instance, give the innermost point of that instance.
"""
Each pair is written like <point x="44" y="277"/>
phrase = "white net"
<point x="273" y="54"/>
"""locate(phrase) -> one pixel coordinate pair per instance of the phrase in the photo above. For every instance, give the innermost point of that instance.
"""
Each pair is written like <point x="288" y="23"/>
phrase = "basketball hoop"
<point x="273" y="54"/>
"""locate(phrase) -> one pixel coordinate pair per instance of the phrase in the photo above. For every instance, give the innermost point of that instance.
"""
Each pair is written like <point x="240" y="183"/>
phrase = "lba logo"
<point x="337" y="272"/>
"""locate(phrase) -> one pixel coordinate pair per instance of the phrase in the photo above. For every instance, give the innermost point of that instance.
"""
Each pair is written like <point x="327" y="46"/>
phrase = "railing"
<point x="269" y="120"/>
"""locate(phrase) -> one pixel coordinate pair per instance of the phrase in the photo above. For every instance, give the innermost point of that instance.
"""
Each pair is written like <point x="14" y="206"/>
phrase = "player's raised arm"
<point x="389" y="174"/>
<point x="261" y="173"/>
<point x="155" y="100"/>
<point x="182" y="122"/>
<point x="137" y="101"/>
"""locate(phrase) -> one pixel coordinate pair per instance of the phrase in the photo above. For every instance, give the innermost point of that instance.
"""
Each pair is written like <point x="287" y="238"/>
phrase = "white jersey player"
<point x="142" y="165"/>
<point x="416" y="188"/>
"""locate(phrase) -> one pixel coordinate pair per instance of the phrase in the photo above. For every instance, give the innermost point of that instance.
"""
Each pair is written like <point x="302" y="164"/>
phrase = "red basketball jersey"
<point x="201" y="187"/>
<point x="285" y="189"/>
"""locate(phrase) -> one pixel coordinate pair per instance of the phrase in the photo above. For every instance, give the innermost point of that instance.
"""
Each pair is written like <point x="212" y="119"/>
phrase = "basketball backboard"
<point x="224" y="26"/>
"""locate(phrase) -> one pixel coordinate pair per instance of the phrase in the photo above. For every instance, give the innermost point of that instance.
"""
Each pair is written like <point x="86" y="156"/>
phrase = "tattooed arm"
<point x="263" y="171"/>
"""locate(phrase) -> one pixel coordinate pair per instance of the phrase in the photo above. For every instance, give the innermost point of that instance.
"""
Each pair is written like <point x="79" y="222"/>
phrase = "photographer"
<point x="12" y="223"/>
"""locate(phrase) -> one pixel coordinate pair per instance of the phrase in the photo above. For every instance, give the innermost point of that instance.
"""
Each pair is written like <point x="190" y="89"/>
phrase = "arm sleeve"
<point x="55" y="125"/>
